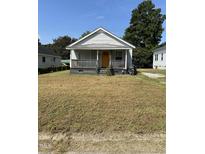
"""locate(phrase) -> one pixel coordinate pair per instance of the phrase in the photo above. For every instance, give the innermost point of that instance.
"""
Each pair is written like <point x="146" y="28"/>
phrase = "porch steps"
<point x="102" y="71"/>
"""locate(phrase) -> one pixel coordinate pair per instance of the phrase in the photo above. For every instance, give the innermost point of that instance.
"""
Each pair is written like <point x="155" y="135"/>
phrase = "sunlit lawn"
<point x="92" y="103"/>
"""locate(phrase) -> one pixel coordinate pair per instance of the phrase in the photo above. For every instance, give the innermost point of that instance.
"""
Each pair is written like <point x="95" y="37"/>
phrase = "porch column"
<point x="71" y="57"/>
<point x="97" y="62"/>
<point x="110" y="59"/>
<point x="125" y="59"/>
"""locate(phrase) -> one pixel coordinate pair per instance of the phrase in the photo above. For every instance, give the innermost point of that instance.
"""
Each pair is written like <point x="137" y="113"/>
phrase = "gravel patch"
<point x="104" y="143"/>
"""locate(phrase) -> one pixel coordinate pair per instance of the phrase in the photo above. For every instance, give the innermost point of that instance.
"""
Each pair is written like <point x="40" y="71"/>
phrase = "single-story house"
<point x="100" y="50"/>
<point x="47" y="58"/>
<point x="159" y="57"/>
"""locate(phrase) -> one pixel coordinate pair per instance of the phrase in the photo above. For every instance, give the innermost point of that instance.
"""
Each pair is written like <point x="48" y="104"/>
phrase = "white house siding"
<point x="159" y="63"/>
<point x="100" y="40"/>
<point x="49" y="61"/>
<point x="73" y="54"/>
<point x="103" y="39"/>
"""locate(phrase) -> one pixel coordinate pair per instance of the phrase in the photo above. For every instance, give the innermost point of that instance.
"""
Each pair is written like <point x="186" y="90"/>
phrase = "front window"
<point x="156" y="57"/>
<point x="118" y="55"/>
<point x="54" y="59"/>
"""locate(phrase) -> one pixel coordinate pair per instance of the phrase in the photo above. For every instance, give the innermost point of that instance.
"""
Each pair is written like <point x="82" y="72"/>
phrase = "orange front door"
<point x="105" y="59"/>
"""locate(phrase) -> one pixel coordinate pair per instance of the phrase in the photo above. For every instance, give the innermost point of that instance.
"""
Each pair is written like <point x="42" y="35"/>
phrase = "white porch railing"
<point x="93" y="63"/>
<point x="83" y="63"/>
<point x="118" y="63"/>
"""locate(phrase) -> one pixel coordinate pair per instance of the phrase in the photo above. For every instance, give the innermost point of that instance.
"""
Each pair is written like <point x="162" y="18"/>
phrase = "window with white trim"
<point x="156" y="57"/>
<point x="162" y="57"/>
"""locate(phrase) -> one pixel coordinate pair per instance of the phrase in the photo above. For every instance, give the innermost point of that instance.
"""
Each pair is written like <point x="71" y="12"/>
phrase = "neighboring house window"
<point x="43" y="59"/>
<point x="162" y="57"/>
<point x="118" y="55"/>
<point x="54" y="59"/>
<point x="156" y="57"/>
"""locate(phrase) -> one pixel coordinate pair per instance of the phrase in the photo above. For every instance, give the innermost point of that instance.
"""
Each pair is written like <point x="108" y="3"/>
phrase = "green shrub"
<point x="135" y="71"/>
<point x="132" y="71"/>
<point x="109" y="71"/>
<point x="44" y="70"/>
<point x="97" y="70"/>
<point x="52" y="69"/>
<point x="59" y="68"/>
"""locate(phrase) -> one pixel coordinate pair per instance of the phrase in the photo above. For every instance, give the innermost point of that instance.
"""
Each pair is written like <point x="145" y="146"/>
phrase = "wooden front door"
<point x="105" y="59"/>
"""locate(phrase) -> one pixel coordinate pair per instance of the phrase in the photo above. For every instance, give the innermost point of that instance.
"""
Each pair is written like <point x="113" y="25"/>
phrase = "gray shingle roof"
<point x="161" y="47"/>
<point x="46" y="50"/>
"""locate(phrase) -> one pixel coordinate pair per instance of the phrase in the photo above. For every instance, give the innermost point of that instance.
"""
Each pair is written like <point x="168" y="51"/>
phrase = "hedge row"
<point x="52" y="69"/>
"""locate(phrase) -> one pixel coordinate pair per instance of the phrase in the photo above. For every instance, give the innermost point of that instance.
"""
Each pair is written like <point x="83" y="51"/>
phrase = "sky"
<point x="74" y="17"/>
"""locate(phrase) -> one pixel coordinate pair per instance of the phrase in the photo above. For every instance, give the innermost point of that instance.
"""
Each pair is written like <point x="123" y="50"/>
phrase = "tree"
<point x="63" y="41"/>
<point x="142" y="57"/>
<point x="59" y="45"/>
<point x="145" y="31"/>
<point x="84" y="34"/>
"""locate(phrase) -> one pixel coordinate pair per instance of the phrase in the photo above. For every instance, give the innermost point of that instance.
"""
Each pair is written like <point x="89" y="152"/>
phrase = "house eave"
<point x="98" y="48"/>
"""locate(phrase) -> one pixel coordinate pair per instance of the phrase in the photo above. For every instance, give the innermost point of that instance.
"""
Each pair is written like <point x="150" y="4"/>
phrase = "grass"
<point x="91" y="103"/>
<point x="160" y="80"/>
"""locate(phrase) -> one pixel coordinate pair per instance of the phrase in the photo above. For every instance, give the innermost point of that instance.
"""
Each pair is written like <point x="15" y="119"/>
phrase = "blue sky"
<point x="74" y="17"/>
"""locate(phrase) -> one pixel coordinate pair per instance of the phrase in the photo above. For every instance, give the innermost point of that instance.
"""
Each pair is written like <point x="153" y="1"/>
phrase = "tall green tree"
<point x="59" y="44"/>
<point x="84" y="34"/>
<point x="63" y="41"/>
<point x="145" y="31"/>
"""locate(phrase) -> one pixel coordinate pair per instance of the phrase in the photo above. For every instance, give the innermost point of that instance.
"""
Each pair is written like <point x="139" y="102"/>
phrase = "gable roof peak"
<point x="104" y="30"/>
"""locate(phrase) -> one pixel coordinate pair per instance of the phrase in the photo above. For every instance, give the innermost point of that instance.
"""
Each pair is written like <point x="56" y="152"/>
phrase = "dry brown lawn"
<point x="92" y="104"/>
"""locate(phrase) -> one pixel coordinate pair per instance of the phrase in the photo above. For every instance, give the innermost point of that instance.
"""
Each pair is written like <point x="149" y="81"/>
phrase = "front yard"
<point x="101" y="105"/>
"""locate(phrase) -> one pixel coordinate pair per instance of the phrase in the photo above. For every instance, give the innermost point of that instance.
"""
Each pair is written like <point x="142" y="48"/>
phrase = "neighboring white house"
<point x="47" y="58"/>
<point x="159" y="57"/>
<point x="99" y="50"/>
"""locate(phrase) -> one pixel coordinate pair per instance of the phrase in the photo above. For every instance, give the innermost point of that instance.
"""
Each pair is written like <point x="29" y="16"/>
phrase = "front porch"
<point x="99" y="59"/>
<point x="100" y="50"/>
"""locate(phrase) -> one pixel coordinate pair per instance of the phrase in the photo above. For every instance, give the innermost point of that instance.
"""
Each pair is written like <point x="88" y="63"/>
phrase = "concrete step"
<point x="102" y="71"/>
